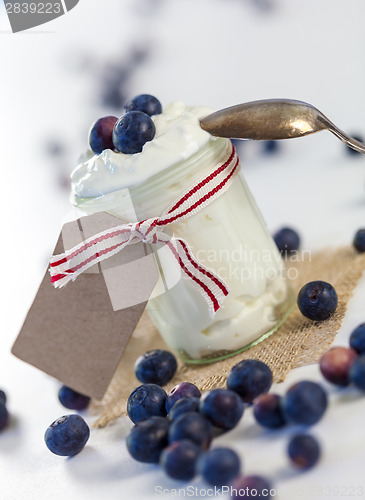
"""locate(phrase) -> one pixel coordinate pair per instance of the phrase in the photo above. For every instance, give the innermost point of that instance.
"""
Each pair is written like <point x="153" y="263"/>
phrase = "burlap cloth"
<point x="299" y="341"/>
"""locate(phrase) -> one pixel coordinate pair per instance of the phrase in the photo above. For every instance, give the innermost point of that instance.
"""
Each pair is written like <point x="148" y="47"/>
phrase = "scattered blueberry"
<point x="183" y="405"/>
<point x="352" y="151"/>
<point x="67" y="435"/>
<point x="219" y="466"/>
<point x="304" y="451"/>
<point x="147" y="400"/>
<point x="132" y="131"/>
<point x="192" y="426"/>
<point x="335" y="365"/>
<point x="249" y="379"/>
<point x="101" y="134"/>
<point x="183" y="390"/>
<point x="155" y="367"/>
<point x="317" y="300"/>
<point x="357" y="339"/>
<point x="146" y="103"/>
<point x="147" y="439"/>
<point x="2" y="397"/>
<point x="179" y="459"/>
<point x="270" y="147"/>
<point x="224" y="408"/>
<point x="359" y="240"/>
<point x="287" y="240"/>
<point x="268" y="412"/>
<point x="253" y="486"/>
<point x="4" y="416"/>
<point x="304" y="403"/>
<point x="357" y="373"/>
<point x="72" y="400"/>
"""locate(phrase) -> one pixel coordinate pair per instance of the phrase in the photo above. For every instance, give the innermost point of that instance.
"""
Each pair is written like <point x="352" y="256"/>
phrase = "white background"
<point x="212" y="52"/>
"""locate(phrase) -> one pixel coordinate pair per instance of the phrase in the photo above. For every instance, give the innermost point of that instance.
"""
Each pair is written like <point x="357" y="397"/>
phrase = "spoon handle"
<point x="348" y="140"/>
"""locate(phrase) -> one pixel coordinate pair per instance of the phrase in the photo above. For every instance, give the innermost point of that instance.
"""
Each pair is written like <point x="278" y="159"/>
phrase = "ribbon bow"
<point x="68" y="265"/>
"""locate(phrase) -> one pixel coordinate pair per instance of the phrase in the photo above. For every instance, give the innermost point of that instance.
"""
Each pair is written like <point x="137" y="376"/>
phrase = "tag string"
<point x="67" y="266"/>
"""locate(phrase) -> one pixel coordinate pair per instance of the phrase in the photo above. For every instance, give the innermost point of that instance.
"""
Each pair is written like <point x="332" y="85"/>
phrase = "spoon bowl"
<point x="273" y="119"/>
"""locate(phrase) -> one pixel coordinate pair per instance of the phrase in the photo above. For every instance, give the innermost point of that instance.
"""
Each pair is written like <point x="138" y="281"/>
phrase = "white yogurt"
<point x="178" y="136"/>
<point x="229" y="236"/>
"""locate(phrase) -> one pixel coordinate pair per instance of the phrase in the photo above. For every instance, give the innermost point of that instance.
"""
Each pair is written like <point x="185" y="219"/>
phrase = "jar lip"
<point x="183" y="168"/>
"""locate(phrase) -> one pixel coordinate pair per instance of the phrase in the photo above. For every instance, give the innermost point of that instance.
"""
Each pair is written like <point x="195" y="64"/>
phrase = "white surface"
<point x="211" y="52"/>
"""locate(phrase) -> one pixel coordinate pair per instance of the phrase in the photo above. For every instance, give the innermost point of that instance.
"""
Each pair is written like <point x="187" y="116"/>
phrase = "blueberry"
<point x="304" y="403"/>
<point x="304" y="451"/>
<point x="179" y="459"/>
<point x="219" y="466"/>
<point x="268" y="412"/>
<point x="147" y="439"/>
<point x="224" y="408"/>
<point x="270" y="147"/>
<point x="183" y="405"/>
<point x="155" y="367"/>
<point x="132" y="131"/>
<point x="357" y="339"/>
<point x="253" y="486"/>
<point x="249" y="379"/>
<point x="146" y="103"/>
<point x="357" y="373"/>
<point x="193" y="426"/>
<point x="317" y="300"/>
<point x="287" y="240"/>
<point x="147" y="400"/>
<point x="67" y="435"/>
<point x="4" y="416"/>
<point x="183" y="390"/>
<point x="359" y="240"/>
<point x="101" y="134"/>
<point x="335" y="365"/>
<point x="2" y="397"/>
<point x="72" y="400"/>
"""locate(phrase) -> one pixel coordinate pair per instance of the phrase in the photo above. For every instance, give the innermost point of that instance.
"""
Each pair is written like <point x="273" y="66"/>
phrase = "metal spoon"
<point x="273" y="119"/>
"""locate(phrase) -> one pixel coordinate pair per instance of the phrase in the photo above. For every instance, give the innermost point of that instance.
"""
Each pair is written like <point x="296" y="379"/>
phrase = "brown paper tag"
<point x="78" y="333"/>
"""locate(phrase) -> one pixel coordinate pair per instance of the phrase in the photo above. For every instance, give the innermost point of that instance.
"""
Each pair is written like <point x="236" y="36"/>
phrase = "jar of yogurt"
<point x="229" y="236"/>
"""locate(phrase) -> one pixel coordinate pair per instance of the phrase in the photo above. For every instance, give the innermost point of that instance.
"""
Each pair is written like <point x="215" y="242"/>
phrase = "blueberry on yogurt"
<point x="101" y="134"/>
<point x="132" y="131"/>
<point x="146" y="103"/>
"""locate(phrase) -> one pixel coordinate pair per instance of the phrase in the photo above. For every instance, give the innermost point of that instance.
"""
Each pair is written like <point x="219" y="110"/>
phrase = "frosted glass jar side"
<point x="230" y="237"/>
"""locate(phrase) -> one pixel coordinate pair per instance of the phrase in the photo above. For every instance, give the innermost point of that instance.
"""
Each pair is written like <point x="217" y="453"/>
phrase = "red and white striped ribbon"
<point x="68" y="265"/>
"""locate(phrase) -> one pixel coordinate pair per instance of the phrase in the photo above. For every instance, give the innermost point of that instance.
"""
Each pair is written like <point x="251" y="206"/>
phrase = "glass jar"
<point x="230" y="237"/>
